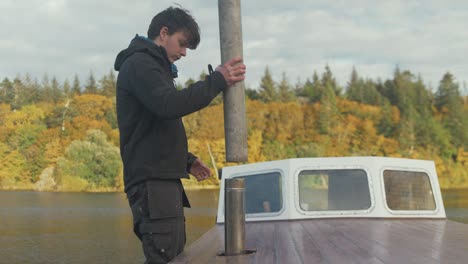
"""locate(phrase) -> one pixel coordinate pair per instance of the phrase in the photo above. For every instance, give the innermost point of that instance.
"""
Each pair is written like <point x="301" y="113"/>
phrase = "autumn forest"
<point x="63" y="136"/>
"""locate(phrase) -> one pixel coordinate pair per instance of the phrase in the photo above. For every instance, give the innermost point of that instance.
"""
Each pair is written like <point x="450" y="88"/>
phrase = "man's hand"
<point x="200" y="170"/>
<point x="233" y="71"/>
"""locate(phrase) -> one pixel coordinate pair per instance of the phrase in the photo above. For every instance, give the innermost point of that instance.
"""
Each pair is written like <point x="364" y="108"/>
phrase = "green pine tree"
<point x="7" y="94"/>
<point x="449" y="102"/>
<point x="268" y="90"/>
<point x="108" y="84"/>
<point x="91" y="86"/>
<point x="285" y="92"/>
<point x="57" y="94"/>
<point x="66" y="88"/>
<point x="76" y="87"/>
<point x="329" y="80"/>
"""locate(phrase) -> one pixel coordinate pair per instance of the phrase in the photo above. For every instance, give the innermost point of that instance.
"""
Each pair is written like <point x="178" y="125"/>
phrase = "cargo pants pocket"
<point x="165" y="198"/>
<point x="137" y="199"/>
<point x="157" y="239"/>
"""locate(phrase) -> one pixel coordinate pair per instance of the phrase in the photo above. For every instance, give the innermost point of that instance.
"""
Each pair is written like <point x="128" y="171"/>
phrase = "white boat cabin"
<point x="337" y="187"/>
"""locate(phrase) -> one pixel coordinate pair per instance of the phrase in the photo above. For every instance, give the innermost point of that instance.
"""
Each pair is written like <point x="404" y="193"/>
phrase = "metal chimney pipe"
<point x="235" y="125"/>
<point x="234" y="217"/>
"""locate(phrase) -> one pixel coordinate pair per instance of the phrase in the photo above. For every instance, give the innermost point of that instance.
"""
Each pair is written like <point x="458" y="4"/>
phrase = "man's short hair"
<point x="176" y="19"/>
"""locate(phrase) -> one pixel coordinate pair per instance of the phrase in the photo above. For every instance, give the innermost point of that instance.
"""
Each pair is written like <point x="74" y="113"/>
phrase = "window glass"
<point x="263" y="193"/>
<point x="332" y="190"/>
<point x="408" y="190"/>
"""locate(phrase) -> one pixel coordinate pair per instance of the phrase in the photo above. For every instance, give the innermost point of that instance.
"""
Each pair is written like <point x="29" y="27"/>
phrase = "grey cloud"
<point x="65" y="37"/>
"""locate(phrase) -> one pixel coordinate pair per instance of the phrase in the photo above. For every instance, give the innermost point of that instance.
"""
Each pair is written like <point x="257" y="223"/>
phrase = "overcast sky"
<point x="64" y="37"/>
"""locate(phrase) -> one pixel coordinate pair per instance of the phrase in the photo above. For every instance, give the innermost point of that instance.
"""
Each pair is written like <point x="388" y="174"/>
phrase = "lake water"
<point x="40" y="227"/>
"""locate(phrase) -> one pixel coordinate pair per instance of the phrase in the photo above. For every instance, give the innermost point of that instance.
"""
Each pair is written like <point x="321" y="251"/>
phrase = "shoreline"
<point x="187" y="188"/>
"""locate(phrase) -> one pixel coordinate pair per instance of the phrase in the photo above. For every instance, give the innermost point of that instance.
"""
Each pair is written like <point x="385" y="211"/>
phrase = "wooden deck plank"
<point x="374" y="237"/>
<point x="387" y="236"/>
<point x="363" y="234"/>
<point x="340" y="241"/>
<point x="286" y="252"/>
<point x="308" y="249"/>
<point x="423" y="244"/>
<point x="324" y="238"/>
<point x="361" y="238"/>
<point x="204" y="249"/>
<point x="265" y="244"/>
<point x="354" y="251"/>
<point x="415" y="240"/>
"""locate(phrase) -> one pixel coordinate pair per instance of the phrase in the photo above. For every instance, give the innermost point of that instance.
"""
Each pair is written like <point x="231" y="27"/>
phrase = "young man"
<point x="153" y="143"/>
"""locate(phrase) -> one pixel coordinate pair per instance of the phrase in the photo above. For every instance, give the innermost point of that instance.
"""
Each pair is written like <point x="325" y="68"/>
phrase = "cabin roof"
<point x="372" y="175"/>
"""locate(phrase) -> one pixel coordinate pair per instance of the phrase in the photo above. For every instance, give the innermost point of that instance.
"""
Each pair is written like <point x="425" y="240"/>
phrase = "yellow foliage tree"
<point x="12" y="169"/>
<point x="4" y="111"/>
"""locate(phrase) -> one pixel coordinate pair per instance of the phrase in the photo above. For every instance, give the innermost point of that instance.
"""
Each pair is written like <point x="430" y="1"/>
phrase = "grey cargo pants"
<point x="158" y="218"/>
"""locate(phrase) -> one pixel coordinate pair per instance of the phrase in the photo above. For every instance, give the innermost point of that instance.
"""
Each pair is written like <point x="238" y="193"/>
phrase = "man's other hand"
<point x="233" y="71"/>
<point x="200" y="170"/>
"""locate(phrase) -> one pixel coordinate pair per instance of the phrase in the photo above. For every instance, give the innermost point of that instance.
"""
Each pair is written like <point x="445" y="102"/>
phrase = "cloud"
<point x="418" y="36"/>
<point x="64" y="37"/>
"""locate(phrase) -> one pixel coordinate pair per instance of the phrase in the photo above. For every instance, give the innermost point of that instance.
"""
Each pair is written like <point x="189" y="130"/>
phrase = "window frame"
<point x="282" y="192"/>
<point x="333" y="213"/>
<point x="408" y="212"/>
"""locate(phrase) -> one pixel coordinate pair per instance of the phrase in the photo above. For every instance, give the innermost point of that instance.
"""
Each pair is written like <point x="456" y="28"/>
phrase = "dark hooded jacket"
<point x="153" y="143"/>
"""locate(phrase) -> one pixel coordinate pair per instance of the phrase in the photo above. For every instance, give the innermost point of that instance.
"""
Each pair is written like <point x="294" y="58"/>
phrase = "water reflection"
<point x="81" y="228"/>
<point x="96" y="228"/>
<point x="456" y="204"/>
<point x="65" y="228"/>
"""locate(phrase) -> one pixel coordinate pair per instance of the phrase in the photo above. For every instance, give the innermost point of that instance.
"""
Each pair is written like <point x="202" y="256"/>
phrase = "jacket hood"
<point x="141" y="44"/>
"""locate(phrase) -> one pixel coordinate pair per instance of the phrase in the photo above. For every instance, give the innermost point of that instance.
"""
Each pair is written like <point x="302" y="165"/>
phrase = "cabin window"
<point x="263" y="193"/>
<point x="334" y="190"/>
<point x="408" y="190"/>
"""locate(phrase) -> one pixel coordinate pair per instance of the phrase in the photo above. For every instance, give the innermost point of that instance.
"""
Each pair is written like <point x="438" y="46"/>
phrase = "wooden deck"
<point x="340" y="241"/>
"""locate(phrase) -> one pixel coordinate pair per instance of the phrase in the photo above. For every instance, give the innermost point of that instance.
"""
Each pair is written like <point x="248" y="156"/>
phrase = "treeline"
<point x="437" y="118"/>
<point x="62" y="136"/>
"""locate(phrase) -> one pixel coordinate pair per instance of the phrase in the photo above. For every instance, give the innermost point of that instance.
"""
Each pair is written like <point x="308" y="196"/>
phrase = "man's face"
<point x="175" y="45"/>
